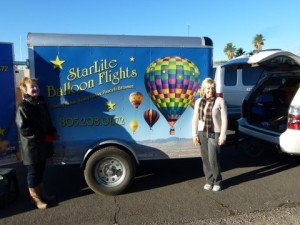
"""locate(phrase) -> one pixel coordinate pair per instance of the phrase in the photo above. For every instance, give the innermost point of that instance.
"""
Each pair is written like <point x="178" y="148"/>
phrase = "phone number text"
<point x="3" y="68"/>
<point x="92" y="121"/>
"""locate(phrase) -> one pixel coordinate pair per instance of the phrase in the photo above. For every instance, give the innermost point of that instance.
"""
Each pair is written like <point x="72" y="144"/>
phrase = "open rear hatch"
<point x="267" y="104"/>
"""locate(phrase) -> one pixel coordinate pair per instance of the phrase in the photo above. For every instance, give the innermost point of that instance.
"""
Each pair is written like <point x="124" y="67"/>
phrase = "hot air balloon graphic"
<point x="151" y="116"/>
<point x="172" y="83"/>
<point x="133" y="125"/>
<point x="136" y="99"/>
<point x="198" y="95"/>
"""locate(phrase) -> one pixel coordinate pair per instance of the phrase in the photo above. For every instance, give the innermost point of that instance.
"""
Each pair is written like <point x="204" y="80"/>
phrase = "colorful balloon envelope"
<point x="172" y="83"/>
<point x="136" y="99"/>
<point x="198" y="95"/>
<point x="151" y="116"/>
<point x="133" y="125"/>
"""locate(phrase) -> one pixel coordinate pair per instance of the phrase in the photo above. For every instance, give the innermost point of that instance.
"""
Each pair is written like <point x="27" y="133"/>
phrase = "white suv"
<point x="235" y="79"/>
<point x="271" y="111"/>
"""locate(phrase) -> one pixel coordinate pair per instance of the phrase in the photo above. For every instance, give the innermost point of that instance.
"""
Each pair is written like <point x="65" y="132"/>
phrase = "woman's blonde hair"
<point x="207" y="81"/>
<point x="26" y="80"/>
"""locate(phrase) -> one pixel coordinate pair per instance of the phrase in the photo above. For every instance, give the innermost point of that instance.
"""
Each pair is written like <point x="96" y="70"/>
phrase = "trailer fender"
<point x="122" y="145"/>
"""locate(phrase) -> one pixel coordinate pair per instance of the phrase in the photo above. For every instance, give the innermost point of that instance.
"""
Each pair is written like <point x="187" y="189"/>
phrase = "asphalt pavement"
<point x="256" y="191"/>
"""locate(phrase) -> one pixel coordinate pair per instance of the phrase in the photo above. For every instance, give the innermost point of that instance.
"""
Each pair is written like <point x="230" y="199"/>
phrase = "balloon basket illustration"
<point x="172" y="83"/>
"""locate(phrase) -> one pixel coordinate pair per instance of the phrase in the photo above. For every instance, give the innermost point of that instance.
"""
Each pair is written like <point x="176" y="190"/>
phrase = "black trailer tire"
<point x="109" y="171"/>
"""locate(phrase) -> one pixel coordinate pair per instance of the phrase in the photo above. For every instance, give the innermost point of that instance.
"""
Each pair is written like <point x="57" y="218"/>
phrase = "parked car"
<point x="235" y="79"/>
<point x="271" y="110"/>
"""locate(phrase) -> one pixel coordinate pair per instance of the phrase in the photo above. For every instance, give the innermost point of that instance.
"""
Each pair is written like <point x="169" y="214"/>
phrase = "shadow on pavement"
<point x="267" y="164"/>
<point x="64" y="181"/>
<point x="159" y="173"/>
<point x="67" y="181"/>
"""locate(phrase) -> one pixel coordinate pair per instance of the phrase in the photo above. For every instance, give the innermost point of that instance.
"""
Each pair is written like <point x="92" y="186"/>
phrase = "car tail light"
<point x="294" y="118"/>
<point x="220" y="95"/>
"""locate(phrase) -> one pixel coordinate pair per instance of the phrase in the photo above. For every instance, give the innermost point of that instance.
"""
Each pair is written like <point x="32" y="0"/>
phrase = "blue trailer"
<point x="118" y="99"/>
<point x="8" y="129"/>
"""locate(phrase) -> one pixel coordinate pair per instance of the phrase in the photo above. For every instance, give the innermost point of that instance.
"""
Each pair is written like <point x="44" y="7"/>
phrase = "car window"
<point x="251" y="75"/>
<point x="282" y="63"/>
<point x="230" y="76"/>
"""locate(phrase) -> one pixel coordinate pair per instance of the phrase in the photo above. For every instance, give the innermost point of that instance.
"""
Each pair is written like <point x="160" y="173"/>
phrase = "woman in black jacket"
<point x="37" y="134"/>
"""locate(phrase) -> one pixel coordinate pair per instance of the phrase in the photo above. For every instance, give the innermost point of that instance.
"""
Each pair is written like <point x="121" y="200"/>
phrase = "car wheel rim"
<point x="109" y="172"/>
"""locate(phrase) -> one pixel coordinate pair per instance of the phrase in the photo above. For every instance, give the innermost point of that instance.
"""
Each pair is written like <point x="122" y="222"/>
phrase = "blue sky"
<point x="233" y="21"/>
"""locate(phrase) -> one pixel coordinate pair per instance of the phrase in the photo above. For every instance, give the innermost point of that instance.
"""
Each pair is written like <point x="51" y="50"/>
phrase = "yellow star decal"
<point x="110" y="105"/>
<point x="2" y="131"/>
<point x="132" y="59"/>
<point x="57" y="63"/>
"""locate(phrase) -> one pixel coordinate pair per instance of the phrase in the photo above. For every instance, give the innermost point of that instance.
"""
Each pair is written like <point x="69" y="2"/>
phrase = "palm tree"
<point x="238" y="52"/>
<point x="229" y="50"/>
<point x="258" y="41"/>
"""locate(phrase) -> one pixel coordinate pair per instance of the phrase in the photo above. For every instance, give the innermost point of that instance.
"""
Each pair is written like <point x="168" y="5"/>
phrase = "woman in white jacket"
<point x="209" y="128"/>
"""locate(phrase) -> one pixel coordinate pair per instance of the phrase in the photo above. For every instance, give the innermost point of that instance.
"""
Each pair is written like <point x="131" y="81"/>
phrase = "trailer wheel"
<point x="109" y="171"/>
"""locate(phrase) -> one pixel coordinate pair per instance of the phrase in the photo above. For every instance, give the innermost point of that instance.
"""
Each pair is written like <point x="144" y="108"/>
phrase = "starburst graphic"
<point x="57" y="63"/>
<point x="110" y="105"/>
<point x="132" y="59"/>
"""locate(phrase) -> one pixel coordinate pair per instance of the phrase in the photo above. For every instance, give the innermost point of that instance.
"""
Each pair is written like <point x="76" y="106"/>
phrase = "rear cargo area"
<point x="268" y="106"/>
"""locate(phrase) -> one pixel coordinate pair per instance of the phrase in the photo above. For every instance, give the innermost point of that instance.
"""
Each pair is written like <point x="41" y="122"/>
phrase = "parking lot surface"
<point x="262" y="190"/>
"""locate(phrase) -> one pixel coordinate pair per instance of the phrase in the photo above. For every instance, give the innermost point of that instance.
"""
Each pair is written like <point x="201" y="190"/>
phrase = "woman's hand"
<point x="221" y="141"/>
<point x="196" y="140"/>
